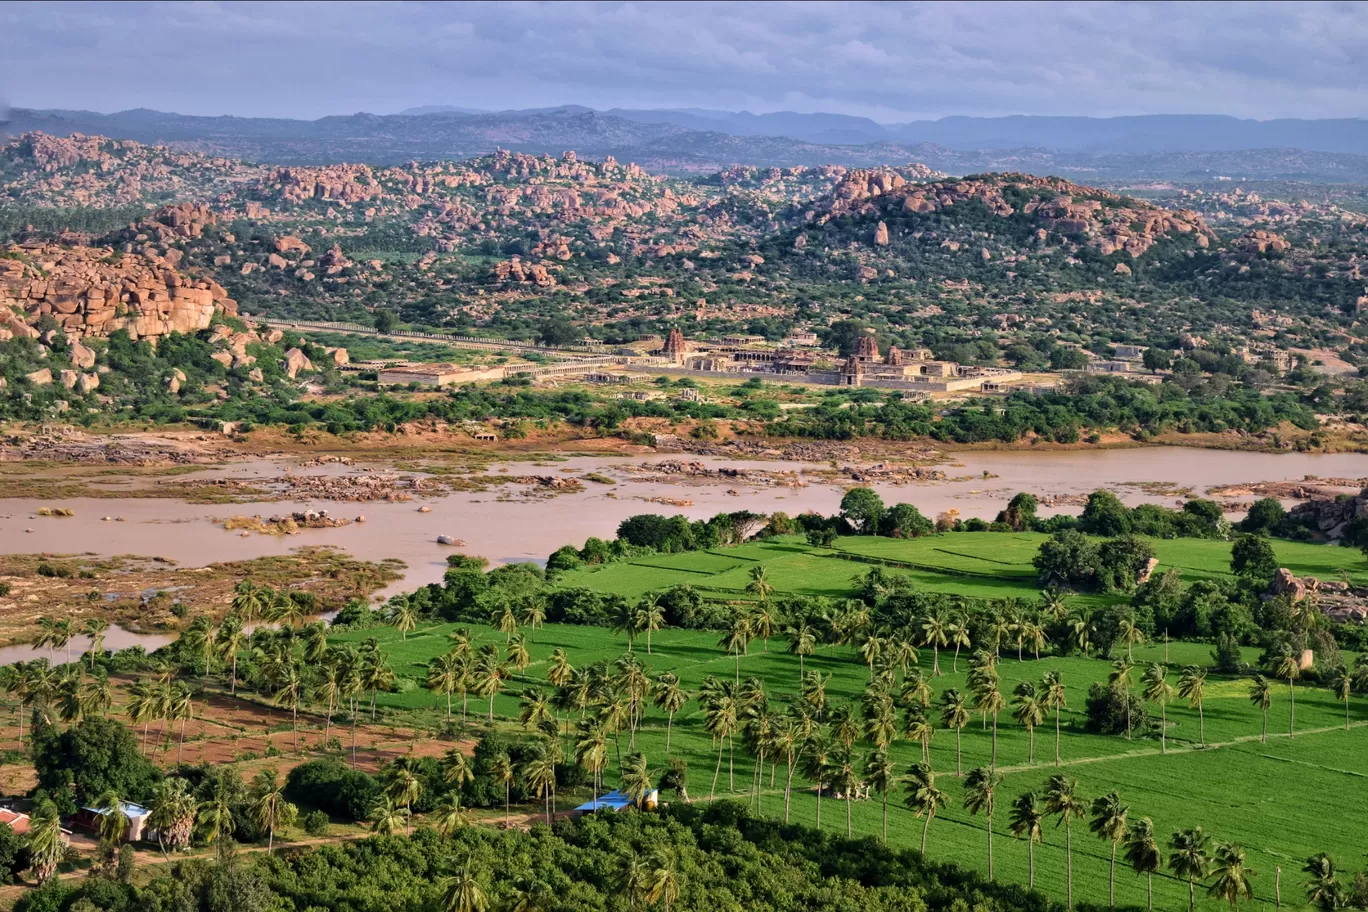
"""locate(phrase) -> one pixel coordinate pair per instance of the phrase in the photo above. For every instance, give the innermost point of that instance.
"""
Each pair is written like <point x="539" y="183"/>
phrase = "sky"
<point x="890" y="62"/>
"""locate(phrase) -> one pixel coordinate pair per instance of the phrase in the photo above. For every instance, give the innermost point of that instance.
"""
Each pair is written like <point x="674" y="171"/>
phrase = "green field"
<point x="1283" y="800"/>
<point x="991" y="565"/>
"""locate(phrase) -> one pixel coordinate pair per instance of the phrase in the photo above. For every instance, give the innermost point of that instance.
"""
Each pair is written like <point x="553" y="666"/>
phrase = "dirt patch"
<point x="148" y="594"/>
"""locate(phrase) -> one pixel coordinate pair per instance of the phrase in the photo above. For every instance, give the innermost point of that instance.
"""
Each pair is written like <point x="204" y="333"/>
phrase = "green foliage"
<point x="91" y="758"/>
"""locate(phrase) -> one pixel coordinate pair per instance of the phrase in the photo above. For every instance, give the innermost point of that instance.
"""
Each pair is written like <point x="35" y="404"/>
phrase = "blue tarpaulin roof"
<point x="614" y="801"/>
<point x="129" y="809"/>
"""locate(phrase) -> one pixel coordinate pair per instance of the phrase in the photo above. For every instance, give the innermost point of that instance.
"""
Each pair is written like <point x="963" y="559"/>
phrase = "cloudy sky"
<point x="885" y="61"/>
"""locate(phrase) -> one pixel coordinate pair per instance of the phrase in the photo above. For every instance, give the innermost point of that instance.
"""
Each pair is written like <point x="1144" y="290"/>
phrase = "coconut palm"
<point x="1289" y="669"/>
<point x="505" y="619"/>
<point x="449" y="816"/>
<point x="988" y="699"/>
<point x="289" y="693"/>
<point x="1063" y="801"/>
<point x="817" y="764"/>
<point x="386" y="817"/>
<point x="663" y="881"/>
<point x="737" y="639"/>
<point x="1119" y="679"/>
<point x="802" y="640"/>
<point x="1109" y="823"/>
<point x="215" y="812"/>
<point x="534" y="615"/>
<point x="1192" y="687"/>
<point x="759" y="584"/>
<point x="114" y="820"/>
<point x="1081" y="627"/>
<point x="650" y="616"/>
<point x="518" y="656"/>
<point x="637" y="780"/>
<point x="456" y="769"/>
<point x="881" y="773"/>
<point x="231" y="640"/>
<point x="1323" y="888"/>
<point x="1190" y="857"/>
<point x="182" y="710"/>
<point x="955" y="714"/>
<point x="376" y="673"/>
<point x="173" y="812"/>
<point x="1261" y="695"/>
<point x="488" y="678"/>
<point x="923" y="798"/>
<point x="935" y="635"/>
<point x="268" y="806"/>
<point x="1231" y="875"/>
<point x="670" y="698"/>
<point x="812" y="689"/>
<point x="1129" y="635"/>
<point x="720" y="719"/>
<point x="501" y="772"/>
<point x="1029" y="710"/>
<point x="844" y="778"/>
<point x="63" y="631"/>
<point x="46" y="844"/>
<point x="95" y="629"/>
<point x="1027" y="815"/>
<point x="285" y="609"/>
<point x="402" y="784"/>
<point x="540" y="775"/>
<point x="462" y="892"/>
<point x="959" y="632"/>
<point x="980" y="790"/>
<point x="1142" y="853"/>
<point x="142" y="707"/>
<point x="1156" y="689"/>
<point x="403" y="615"/>
<point x="591" y="752"/>
<point x="917" y="727"/>
<point x="559" y="671"/>
<point x="1342" y="683"/>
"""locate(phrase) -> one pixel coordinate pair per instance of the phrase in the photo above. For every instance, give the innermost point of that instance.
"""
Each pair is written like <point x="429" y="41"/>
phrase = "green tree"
<point x="1063" y="801"/>
<point x="1192" y="687"/>
<point x="1261" y="695"/>
<point x="1252" y="556"/>
<point x="463" y="892"/>
<point x="922" y="797"/>
<point x="955" y="714"/>
<point x="1190" y="858"/>
<point x="863" y="509"/>
<point x="1231" y="875"/>
<point x="1027" y="815"/>
<point x="269" y="808"/>
<point x="980" y="790"/>
<point x="1144" y="856"/>
<point x="1156" y="689"/>
<point x="1289" y="669"/>
<point x="1109" y="822"/>
<point x="881" y="773"/>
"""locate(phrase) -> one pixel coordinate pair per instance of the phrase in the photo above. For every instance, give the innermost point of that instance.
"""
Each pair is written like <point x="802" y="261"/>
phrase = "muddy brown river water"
<point x="504" y="525"/>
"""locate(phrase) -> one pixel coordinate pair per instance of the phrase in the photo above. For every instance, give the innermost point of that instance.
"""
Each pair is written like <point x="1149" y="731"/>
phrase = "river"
<point x="505" y="526"/>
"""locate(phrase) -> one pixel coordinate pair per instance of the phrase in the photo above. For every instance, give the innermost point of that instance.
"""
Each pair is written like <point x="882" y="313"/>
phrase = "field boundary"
<point x="925" y="568"/>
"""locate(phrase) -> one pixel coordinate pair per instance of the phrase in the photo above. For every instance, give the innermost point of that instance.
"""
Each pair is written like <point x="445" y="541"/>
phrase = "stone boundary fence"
<point x="470" y="341"/>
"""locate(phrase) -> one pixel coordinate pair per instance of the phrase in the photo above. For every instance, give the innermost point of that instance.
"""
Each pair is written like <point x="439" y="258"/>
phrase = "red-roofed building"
<point x="15" y="820"/>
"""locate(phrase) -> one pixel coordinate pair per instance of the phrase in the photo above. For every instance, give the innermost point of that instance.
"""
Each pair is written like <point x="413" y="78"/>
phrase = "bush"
<point x="1106" y="712"/>
<point x="315" y="823"/>
<point x="333" y="787"/>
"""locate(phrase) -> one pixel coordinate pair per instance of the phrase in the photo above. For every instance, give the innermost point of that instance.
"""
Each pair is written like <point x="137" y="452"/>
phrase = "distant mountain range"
<point x="1177" y="147"/>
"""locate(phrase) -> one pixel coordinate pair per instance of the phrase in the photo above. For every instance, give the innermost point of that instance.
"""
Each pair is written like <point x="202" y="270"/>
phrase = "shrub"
<point x="333" y="787"/>
<point x="315" y="823"/>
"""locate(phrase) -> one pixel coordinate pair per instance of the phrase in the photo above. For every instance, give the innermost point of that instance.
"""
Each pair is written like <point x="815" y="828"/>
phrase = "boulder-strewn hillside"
<point x="503" y="242"/>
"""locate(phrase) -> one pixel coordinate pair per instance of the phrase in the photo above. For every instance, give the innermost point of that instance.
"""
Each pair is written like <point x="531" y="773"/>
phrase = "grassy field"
<point x="976" y="564"/>
<point x="1283" y="800"/>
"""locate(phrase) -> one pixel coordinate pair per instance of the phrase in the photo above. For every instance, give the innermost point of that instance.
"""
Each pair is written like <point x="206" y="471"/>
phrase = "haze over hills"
<point x="693" y="140"/>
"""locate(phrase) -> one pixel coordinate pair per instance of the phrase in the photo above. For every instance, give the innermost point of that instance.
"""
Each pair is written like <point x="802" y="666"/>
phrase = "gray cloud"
<point x="887" y="61"/>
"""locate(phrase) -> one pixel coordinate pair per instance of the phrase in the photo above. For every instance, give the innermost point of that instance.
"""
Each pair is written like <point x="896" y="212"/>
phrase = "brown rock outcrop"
<point x="92" y="291"/>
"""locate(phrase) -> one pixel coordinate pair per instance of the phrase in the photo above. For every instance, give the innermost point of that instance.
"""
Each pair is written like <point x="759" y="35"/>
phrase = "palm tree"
<point x="1158" y="690"/>
<point x="980" y="788"/>
<point x="1082" y="627"/>
<point x="540" y="775"/>
<point x="844" y="778"/>
<point x="737" y="639"/>
<point x="917" y="727"/>
<point x="923" y="797"/>
<point x="1323" y="890"/>
<point x="591" y="752"/>
<point x="232" y="638"/>
<point x="269" y="808"/>
<point x="669" y="698"/>
<point x="249" y="601"/>
<point x="386" y="817"/>
<point x="501" y="772"/>
<point x="760" y="585"/>
<point x="534" y="615"/>
<point x="62" y="632"/>
<point x="376" y="673"/>
<point x="182" y="710"/>
<point x="1119" y="679"/>
<point x="1342" y="683"/>
<point x="463" y="893"/>
<point x="1189" y="856"/>
<point x="650" y="616"/>
<point x="1289" y="669"/>
<point x="915" y="690"/>
<point x="402" y="784"/>
<point x="802" y="642"/>
<point x="959" y="632"/>
<point x="955" y="714"/>
<point x="216" y="812"/>
<point x="637" y="780"/>
<point x="1261" y="695"/>
<point x="518" y="656"/>
<point x="449" y="816"/>
<point x="505" y="619"/>
<point x="46" y="844"/>
<point x="114" y="820"/>
<point x="812" y="688"/>
<point x="988" y="699"/>
<point x="95" y="629"/>
<point x="1063" y="801"/>
<point x="881" y="773"/>
<point x="1027" y="815"/>
<point x="817" y="765"/>
<point x="488" y="679"/>
<point x="1029" y="711"/>
<point x="1109" y="823"/>
<point x="559" y="671"/>
<point x="719" y="720"/>
<point x="404" y="616"/>
<point x="285" y="609"/>
<point x="456" y="769"/>
<point x="1231" y="875"/>
<point x="663" y="879"/>
<point x="934" y="634"/>
<point x="1192" y="687"/>
<point x="1130" y="635"/>
<point x="633" y="880"/>
<point x="290" y="693"/>
<point x="173" y="812"/>
<point x="1144" y="856"/>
